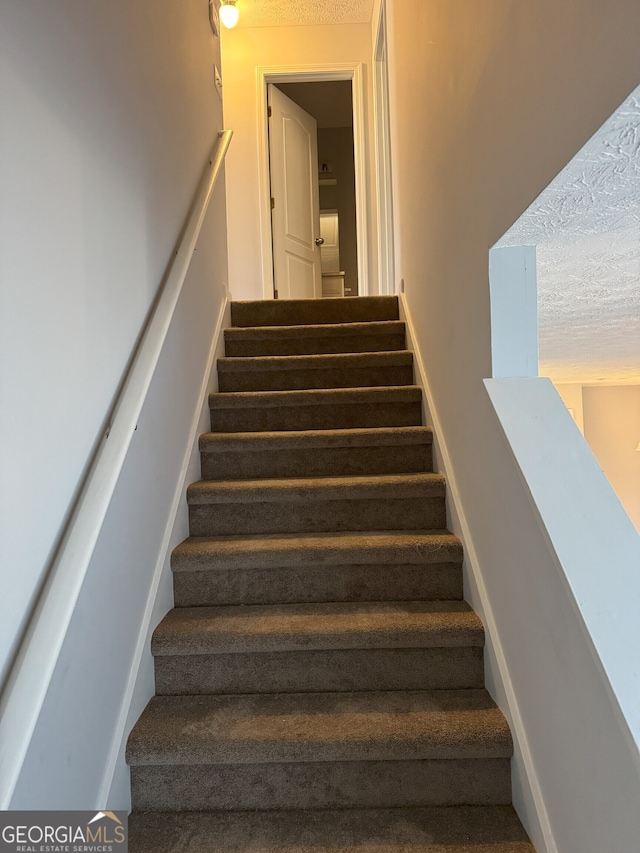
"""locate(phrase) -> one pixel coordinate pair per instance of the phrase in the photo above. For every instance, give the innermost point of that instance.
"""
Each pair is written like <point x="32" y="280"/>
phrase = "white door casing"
<point x="352" y="71"/>
<point x="386" y="233"/>
<point x="295" y="214"/>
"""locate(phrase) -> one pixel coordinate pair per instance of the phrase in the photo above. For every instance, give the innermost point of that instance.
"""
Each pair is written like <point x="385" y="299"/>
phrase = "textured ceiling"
<point x="586" y="229"/>
<point x="278" y="13"/>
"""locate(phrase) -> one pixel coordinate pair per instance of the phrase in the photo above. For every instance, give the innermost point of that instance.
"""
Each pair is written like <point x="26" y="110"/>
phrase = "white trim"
<point x="308" y="74"/>
<point x="33" y="668"/>
<point x="384" y="185"/>
<point x="394" y="58"/>
<point x="142" y="644"/>
<point x="513" y="288"/>
<point x="471" y="559"/>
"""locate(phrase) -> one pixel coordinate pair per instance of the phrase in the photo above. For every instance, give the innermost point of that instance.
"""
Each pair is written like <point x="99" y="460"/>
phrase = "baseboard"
<point x="111" y="794"/>
<point x="541" y="832"/>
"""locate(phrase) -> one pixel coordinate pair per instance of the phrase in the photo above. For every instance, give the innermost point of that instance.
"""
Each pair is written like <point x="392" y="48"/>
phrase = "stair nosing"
<point x="226" y="442"/>
<point x="315" y="361"/>
<point x="332" y="488"/>
<point x="294" y="549"/>
<point x="314" y="396"/>
<point x="303" y="330"/>
<point x="325" y="727"/>
<point x="387" y="306"/>
<point x="260" y="628"/>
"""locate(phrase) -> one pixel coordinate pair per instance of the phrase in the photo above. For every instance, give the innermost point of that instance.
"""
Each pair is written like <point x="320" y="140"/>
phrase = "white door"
<point x="295" y="214"/>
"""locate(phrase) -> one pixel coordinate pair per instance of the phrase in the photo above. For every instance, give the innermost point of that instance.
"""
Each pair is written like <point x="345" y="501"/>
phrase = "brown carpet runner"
<point x="319" y="684"/>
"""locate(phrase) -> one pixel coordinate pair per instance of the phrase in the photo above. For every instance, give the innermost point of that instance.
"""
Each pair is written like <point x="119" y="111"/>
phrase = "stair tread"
<point x="448" y="829"/>
<point x="320" y="361"/>
<point x="224" y="442"/>
<point x="310" y="339"/>
<point x="293" y="312"/>
<point x="293" y="549"/>
<point x="315" y="396"/>
<point x="342" y="625"/>
<point x="371" y="486"/>
<point x="312" y="727"/>
<point x="315" y="330"/>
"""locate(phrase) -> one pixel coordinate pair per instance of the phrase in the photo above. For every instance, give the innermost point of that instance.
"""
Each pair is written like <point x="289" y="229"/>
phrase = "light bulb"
<point x="229" y="13"/>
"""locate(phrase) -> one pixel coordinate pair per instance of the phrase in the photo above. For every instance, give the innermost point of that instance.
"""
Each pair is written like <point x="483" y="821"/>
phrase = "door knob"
<point x="319" y="241"/>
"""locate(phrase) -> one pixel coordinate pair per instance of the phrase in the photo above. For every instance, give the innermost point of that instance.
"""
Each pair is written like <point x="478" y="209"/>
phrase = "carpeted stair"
<point x="319" y="684"/>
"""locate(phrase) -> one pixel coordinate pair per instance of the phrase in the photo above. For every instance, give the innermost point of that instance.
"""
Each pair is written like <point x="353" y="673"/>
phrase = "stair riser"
<point x="219" y="519"/>
<point x="314" y="311"/>
<point x="349" y="416"/>
<point x="348" y="784"/>
<point x="312" y="346"/>
<point x="317" y="462"/>
<point x="301" y="380"/>
<point x="484" y="829"/>
<point x="298" y="584"/>
<point x="316" y="671"/>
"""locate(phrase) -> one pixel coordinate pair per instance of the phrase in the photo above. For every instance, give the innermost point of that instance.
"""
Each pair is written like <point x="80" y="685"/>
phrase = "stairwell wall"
<point x="487" y="105"/>
<point x="109" y="115"/>
<point x="612" y="430"/>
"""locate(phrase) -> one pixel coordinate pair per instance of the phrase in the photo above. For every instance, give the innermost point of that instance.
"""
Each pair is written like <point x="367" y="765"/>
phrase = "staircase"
<point x="320" y="681"/>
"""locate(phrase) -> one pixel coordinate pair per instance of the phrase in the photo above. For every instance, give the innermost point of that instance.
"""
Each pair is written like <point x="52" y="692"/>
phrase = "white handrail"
<point x="32" y="670"/>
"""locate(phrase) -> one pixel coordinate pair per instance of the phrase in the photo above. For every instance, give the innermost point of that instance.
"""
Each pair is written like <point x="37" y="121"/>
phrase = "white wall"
<point x="514" y="311"/>
<point x="109" y="114"/>
<point x="244" y="49"/>
<point x="571" y="395"/>
<point x="612" y="429"/>
<point x="587" y="592"/>
<point x="609" y="418"/>
<point x="487" y="105"/>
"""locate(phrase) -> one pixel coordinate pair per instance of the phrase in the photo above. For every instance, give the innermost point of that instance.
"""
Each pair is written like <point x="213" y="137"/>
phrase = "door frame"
<point x="352" y="71"/>
<point x="382" y="124"/>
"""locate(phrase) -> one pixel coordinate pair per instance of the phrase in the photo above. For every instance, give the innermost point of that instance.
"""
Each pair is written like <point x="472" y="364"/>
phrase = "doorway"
<point x="335" y="95"/>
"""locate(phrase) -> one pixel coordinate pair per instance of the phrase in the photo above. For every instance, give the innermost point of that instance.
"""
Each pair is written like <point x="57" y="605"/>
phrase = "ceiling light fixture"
<point x="229" y="13"/>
